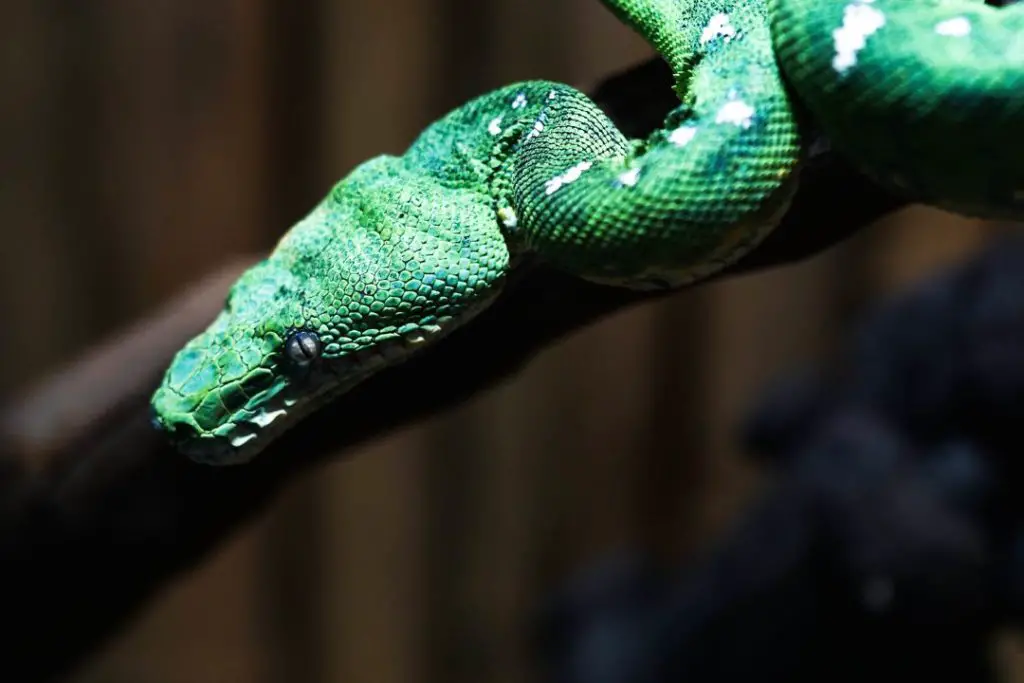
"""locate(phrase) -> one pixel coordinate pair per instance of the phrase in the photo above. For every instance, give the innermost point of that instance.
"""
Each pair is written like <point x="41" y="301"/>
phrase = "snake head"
<point x="374" y="273"/>
<point x="243" y="373"/>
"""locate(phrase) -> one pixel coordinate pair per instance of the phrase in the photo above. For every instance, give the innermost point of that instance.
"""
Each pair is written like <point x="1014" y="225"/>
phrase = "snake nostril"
<point x="156" y="421"/>
<point x="174" y="428"/>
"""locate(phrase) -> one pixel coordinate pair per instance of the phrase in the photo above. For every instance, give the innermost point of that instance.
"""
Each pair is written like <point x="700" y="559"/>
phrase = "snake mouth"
<point x="239" y="439"/>
<point x="292" y="397"/>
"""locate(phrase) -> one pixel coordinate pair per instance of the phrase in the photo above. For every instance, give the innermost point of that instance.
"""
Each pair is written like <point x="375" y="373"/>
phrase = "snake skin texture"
<point x="406" y="248"/>
<point x="927" y="97"/>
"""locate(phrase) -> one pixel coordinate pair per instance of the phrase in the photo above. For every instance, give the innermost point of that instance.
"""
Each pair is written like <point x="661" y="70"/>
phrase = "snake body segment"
<point x="407" y="248"/>
<point x="927" y="97"/>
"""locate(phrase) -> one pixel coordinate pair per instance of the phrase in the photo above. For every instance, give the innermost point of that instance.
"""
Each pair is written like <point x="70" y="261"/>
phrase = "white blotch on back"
<point x="508" y="217"/>
<point x="718" y="27"/>
<point x="519" y="102"/>
<point x="552" y="95"/>
<point x="860" y="20"/>
<point x="569" y="176"/>
<point x="682" y="135"/>
<point x="494" y="127"/>
<point x="956" y="27"/>
<point x="736" y="112"/>
<point x="629" y="178"/>
<point x="538" y="128"/>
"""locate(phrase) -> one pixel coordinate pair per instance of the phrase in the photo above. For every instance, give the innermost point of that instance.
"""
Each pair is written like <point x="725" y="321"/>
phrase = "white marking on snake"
<point x="682" y="135"/>
<point x="538" y="128"/>
<point x="552" y="95"/>
<point x="494" y="127"/>
<point x="508" y="217"/>
<point x="519" y="102"/>
<point x="957" y="27"/>
<point x="718" y="27"/>
<point x="860" y="20"/>
<point x="629" y="178"/>
<point x="417" y="337"/>
<point x="569" y="176"/>
<point x="737" y="112"/>
<point x="263" y="419"/>
<point x="240" y="441"/>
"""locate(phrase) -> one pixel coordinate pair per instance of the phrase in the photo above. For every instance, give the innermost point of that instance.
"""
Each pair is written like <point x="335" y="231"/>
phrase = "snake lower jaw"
<point x="249" y="436"/>
<point x="323" y="382"/>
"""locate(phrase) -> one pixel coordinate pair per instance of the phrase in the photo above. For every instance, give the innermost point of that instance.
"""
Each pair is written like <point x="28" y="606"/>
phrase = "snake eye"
<point x="302" y="347"/>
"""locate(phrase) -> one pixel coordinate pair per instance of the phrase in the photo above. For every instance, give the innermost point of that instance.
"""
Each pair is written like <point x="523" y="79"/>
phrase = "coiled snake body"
<point x="927" y="97"/>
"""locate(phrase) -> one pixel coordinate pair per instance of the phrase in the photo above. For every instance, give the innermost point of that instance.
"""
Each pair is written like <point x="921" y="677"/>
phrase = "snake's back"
<point x="928" y="96"/>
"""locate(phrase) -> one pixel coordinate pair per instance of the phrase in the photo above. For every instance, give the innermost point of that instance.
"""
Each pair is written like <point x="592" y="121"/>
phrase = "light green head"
<point x="379" y="269"/>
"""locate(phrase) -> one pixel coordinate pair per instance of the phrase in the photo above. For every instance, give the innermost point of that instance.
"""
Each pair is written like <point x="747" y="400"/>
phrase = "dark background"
<point x="145" y="143"/>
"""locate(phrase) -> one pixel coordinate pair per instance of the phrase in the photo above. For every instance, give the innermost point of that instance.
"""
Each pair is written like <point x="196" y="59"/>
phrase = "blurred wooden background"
<point x="144" y="143"/>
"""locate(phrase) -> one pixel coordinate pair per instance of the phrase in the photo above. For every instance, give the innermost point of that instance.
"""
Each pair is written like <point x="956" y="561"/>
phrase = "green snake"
<point x="926" y="97"/>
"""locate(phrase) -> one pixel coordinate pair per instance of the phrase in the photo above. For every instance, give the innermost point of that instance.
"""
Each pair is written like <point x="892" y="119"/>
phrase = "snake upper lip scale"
<point x="925" y="97"/>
